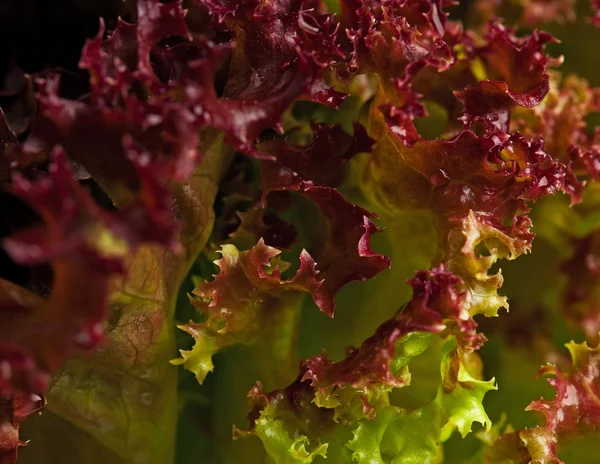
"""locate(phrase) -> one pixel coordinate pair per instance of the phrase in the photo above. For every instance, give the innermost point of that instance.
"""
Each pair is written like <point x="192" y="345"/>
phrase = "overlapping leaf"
<point x="161" y="88"/>
<point x="573" y="412"/>
<point x="248" y="302"/>
<point x="313" y="415"/>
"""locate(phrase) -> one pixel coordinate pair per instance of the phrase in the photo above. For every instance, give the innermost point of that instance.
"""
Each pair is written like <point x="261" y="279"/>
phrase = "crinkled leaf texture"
<point x="248" y="303"/>
<point x="169" y="98"/>
<point x="127" y="384"/>
<point x="342" y="410"/>
<point x="574" y="411"/>
<point x="140" y="132"/>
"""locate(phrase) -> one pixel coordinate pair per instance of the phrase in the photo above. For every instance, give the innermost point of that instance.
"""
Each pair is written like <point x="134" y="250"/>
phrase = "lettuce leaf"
<point x="308" y="418"/>
<point x="311" y="144"/>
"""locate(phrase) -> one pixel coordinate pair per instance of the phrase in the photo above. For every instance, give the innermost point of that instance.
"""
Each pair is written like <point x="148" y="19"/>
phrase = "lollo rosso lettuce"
<point x="289" y="232"/>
